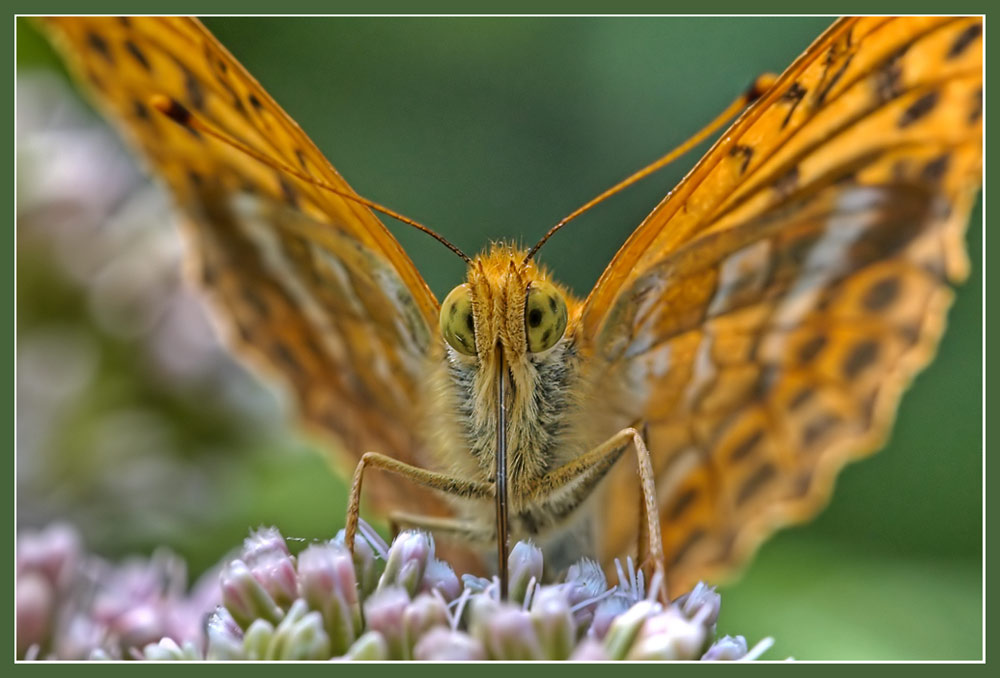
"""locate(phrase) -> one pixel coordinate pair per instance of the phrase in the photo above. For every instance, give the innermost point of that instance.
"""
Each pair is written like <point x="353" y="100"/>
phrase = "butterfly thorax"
<point x="539" y="400"/>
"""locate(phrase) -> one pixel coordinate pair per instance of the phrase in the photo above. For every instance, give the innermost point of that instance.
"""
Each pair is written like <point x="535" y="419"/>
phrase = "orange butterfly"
<point x="759" y="325"/>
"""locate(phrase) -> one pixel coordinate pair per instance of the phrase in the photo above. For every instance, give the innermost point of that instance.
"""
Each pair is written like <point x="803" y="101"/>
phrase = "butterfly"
<point x="758" y="327"/>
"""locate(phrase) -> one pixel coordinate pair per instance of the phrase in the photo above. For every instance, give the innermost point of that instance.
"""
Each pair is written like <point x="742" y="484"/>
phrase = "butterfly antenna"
<point x="182" y="116"/>
<point x="754" y="92"/>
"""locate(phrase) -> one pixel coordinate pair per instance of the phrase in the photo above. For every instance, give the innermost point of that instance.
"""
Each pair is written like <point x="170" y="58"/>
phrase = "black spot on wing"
<point x="138" y="55"/>
<point x="288" y="191"/>
<point x="245" y="333"/>
<point x="809" y="350"/>
<point x="793" y="96"/>
<point x="255" y="301"/>
<point x="909" y="333"/>
<point x="834" y="79"/>
<point x="95" y="81"/>
<point x="240" y="108"/>
<point x="882" y="294"/>
<point x="976" y="111"/>
<point x="742" y="151"/>
<point x="801" y="484"/>
<point x="817" y="428"/>
<point x="918" y="109"/>
<point x="747" y="445"/>
<point x="765" y="381"/>
<point x="758" y="479"/>
<point x="195" y="94"/>
<point x="177" y="112"/>
<point x="804" y="395"/>
<point x="888" y="77"/>
<point x="934" y="170"/>
<point x="893" y="228"/>
<point x="141" y="111"/>
<point x="963" y="40"/>
<point x="208" y="274"/>
<point x="860" y="357"/>
<point x="285" y="357"/>
<point x="182" y="116"/>
<point x="682" y="503"/>
<point x="693" y="538"/>
<point x="794" y="253"/>
<point x="787" y="182"/>
<point x="100" y="45"/>
<point x="848" y="178"/>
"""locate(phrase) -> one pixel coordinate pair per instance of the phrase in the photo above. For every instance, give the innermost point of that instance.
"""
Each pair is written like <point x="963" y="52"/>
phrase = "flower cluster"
<point x="381" y="603"/>
<point x="72" y="605"/>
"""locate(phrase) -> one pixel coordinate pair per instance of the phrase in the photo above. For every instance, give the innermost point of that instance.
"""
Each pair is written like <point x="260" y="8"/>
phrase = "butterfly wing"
<point x="309" y="286"/>
<point x="765" y="318"/>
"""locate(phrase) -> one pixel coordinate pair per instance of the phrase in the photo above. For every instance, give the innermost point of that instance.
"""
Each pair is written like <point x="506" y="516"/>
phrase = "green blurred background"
<point x="483" y="129"/>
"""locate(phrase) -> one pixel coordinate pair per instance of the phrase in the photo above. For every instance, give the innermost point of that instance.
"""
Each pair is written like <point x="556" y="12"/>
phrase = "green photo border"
<point x="440" y="6"/>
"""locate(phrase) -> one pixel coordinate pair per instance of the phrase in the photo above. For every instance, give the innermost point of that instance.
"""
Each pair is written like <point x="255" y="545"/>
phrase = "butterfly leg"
<point x="582" y="475"/>
<point x="451" y="528"/>
<point x="642" y="533"/>
<point x="452" y="485"/>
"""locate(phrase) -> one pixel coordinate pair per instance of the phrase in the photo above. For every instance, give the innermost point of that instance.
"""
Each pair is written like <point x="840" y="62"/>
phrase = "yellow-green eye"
<point x="456" y="320"/>
<point x="544" y="316"/>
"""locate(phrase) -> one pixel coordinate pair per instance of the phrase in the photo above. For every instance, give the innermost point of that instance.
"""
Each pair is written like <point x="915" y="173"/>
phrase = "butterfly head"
<point x="504" y="303"/>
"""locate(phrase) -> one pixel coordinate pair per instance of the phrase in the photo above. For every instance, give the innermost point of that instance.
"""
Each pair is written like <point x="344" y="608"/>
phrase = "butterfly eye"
<point x="456" y="320"/>
<point x="544" y="316"/>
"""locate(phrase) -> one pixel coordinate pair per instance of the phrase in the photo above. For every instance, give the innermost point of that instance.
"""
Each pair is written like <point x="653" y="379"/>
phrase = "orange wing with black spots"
<point x="313" y="287"/>
<point x="765" y="318"/>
